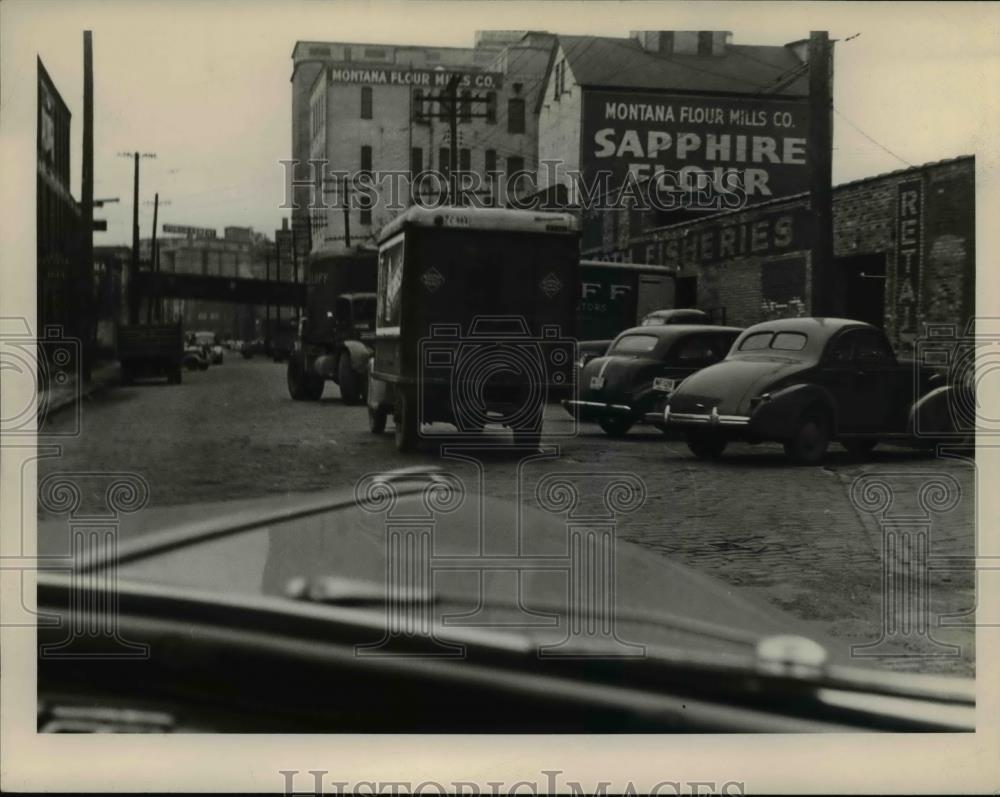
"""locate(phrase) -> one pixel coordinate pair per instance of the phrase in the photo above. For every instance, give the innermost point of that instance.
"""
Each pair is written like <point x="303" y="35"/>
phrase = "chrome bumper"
<point x="712" y="418"/>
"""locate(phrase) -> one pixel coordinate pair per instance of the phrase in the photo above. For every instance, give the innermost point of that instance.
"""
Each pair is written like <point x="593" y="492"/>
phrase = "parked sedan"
<point x="802" y="382"/>
<point x="641" y="368"/>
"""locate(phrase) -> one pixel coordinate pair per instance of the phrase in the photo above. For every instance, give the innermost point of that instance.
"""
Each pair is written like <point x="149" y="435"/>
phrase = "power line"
<point x="876" y="143"/>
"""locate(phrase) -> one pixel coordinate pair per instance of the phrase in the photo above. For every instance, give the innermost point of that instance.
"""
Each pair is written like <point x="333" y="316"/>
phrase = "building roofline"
<point x="389" y="46"/>
<point x="804" y="195"/>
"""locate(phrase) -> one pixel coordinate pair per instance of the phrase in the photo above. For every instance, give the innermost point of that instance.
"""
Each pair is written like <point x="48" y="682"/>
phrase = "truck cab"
<point x="334" y="336"/>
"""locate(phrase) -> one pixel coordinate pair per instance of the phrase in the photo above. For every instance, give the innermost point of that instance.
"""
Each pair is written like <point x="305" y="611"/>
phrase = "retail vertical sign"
<point x="909" y="247"/>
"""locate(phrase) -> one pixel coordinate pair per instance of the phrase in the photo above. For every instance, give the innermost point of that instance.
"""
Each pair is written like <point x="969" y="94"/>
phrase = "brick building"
<point x="904" y="246"/>
<point x="361" y="108"/>
<point x="58" y="213"/>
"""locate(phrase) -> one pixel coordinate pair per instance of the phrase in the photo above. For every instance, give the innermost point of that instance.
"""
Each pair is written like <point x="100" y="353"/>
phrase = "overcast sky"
<point x="206" y="85"/>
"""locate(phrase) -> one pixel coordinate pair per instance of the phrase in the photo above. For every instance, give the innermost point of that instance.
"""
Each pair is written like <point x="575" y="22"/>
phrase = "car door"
<point x="879" y="383"/>
<point x="837" y="373"/>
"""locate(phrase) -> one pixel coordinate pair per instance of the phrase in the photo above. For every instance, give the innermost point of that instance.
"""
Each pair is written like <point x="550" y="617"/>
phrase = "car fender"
<point x="776" y="418"/>
<point x="938" y="412"/>
<point x="360" y="354"/>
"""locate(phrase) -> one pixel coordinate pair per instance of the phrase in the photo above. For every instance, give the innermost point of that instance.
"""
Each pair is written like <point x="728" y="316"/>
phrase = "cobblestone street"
<point x="791" y="535"/>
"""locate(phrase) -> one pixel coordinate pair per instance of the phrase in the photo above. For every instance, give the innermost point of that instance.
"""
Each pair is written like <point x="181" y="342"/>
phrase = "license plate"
<point x="664" y="385"/>
<point x="596" y="382"/>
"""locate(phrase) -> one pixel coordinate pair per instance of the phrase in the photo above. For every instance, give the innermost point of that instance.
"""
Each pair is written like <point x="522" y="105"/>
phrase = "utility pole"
<point x="449" y="98"/>
<point x="133" y="273"/>
<point x="453" y="129"/>
<point x="154" y="265"/>
<point x="267" y="305"/>
<point x="133" y="307"/>
<point x="826" y="291"/>
<point x="347" y="215"/>
<point x="88" y="309"/>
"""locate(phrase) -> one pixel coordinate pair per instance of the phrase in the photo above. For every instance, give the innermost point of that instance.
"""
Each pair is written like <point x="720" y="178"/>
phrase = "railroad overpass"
<point x="237" y="290"/>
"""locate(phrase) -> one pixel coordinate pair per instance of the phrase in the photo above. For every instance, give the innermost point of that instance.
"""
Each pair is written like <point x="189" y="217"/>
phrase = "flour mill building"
<point x="363" y="108"/>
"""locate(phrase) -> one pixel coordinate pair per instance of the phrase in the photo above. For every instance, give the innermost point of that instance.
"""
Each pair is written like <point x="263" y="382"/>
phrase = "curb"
<point x="109" y="377"/>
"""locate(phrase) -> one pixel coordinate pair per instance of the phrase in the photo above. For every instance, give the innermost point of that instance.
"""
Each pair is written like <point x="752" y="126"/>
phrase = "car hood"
<point x="730" y="384"/>
<point x="654" y="602"/>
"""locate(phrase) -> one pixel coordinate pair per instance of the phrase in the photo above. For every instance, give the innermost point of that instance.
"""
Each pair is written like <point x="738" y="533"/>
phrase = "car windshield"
<point x="204" y="338"/>
<point x="634" y="344"/>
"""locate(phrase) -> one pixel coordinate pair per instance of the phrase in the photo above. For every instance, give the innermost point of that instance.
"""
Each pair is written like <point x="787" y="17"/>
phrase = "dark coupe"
<point x="802" y="382"/>
<point x="640" y="369"/>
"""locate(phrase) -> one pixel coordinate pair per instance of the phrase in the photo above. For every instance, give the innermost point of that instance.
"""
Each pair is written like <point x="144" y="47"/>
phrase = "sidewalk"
<point x="60" y="397"/>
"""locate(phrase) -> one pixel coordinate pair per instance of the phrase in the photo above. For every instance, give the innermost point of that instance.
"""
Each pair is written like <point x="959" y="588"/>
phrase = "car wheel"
<point x="615" y="427"/>
<point x="350" y="390"/>
<point x="811" y="439"/>
<point x="859" y="447"/>
<point x="406" y="421"/>
<point x="376" y="419"/>
<point x="127" y="376"/>
<point x="706" y="445"/>
<point x="174" y="376"/>
<point x="295" y="381"/>
<point x="203" y="366"/>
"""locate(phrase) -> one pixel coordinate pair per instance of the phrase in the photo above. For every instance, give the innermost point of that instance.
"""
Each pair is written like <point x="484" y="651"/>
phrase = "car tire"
<point x="376" y="419"/>
<point x="859" y="447"/>
<point x="203" y="366"/>
<point x="615" y="427"/>
<point x="294" y="381"/>
<point x="810" y="440"/>
<point x="127" y="376"/>
<point x="247" y="355"/>
<point x="350" y="390"/>
<point x="706" y="445"/>
<point x="406" y="421"/>
<point x="174" y="376"/>
<point x="302" y="385"/>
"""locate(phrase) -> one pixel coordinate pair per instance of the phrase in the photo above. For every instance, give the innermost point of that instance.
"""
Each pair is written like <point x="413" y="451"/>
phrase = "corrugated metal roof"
<point x="623" y="63"/>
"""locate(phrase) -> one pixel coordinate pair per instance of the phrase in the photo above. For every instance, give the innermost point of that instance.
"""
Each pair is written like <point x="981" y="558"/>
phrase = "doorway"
<point x="686" y="294"/>
<point x="864" y="286"/>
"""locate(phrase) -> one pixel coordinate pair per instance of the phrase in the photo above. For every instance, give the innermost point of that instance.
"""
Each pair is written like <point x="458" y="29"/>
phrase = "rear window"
<point x="782" y="341"/>
<point x="631" y="344"/>
<point x="789" y="341"/>
<point x="757" y="341"/>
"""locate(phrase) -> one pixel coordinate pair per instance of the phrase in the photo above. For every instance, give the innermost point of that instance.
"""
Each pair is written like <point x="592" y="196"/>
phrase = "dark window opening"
<point x="515" y="115"/>
<point x="366" y="102"/>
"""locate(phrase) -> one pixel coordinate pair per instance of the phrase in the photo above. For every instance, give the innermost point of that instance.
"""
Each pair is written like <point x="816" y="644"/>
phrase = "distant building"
<point x="241" y="252"/>
<point x="58" y="213"/>
<point x="362" y="108"/>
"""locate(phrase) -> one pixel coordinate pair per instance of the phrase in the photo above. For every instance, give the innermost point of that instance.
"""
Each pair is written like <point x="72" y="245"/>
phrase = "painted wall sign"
<point x="909" y="245"/>
<point x="415" y="78"/>
<point x="190" y="232"/>
<point x="759" y="142"/>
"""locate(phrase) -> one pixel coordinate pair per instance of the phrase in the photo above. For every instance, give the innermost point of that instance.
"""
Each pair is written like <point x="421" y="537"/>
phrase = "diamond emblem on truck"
<point x="550" y="285"/>
<point x="432" y="279"/>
